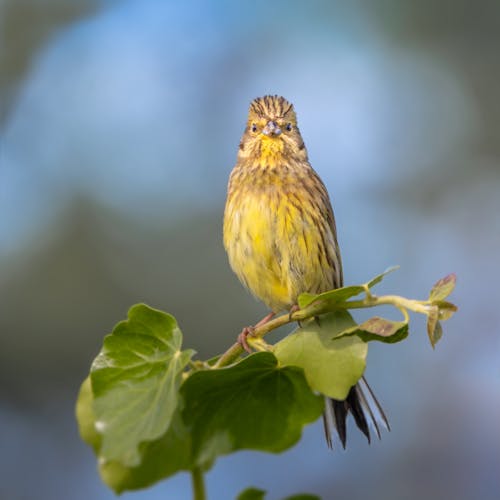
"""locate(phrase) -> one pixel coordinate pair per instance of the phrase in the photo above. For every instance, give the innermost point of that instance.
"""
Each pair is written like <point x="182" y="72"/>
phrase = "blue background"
<point x="119" y="126"/>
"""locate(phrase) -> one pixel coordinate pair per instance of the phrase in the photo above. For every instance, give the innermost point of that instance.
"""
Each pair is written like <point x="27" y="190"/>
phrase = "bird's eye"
<point x="288" y="127"/>
<point x="253" y="128"/>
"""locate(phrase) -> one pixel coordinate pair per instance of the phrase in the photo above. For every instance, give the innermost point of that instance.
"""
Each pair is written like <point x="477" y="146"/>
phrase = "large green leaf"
<point x="162" y="458"/>
<point x="331" y="365"/>
<point x="169" y="454"/>
<point x="135" y="382"/>
<point x="254" y="404"/>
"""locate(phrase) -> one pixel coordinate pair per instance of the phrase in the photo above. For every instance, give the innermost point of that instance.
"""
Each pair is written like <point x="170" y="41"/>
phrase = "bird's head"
<point x="271" y="130"/>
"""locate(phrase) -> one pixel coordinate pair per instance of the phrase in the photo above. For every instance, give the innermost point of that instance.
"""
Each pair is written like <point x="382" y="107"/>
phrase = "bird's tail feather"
<point x="364" y="407"/>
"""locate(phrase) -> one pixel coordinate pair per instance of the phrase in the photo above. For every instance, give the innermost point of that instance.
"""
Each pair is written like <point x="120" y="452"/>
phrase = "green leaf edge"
<point x="364" y="333"/>
<point x="344" y="293"/>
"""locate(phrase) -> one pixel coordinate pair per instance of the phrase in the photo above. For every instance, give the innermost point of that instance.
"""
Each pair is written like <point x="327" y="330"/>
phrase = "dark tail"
<point x="364" y="407"/>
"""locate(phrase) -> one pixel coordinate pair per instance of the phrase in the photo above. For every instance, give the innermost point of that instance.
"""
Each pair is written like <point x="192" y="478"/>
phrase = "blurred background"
<point x="119" y="125"/>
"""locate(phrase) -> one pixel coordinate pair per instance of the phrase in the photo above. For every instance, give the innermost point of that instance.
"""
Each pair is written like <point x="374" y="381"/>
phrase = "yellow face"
<point x="271" y="133"/>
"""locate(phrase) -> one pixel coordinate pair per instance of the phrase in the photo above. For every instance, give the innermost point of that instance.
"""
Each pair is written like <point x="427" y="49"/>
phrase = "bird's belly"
<point x="277" y="250"/>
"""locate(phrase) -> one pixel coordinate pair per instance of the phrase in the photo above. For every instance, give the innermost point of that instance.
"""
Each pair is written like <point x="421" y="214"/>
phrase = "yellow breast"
<point x="278" y="238"/>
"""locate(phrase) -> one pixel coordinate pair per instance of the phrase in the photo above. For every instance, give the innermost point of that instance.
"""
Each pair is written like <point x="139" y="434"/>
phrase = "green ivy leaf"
<point x="443" y="288"/>
<point x="162" y="458"/>
<point x="135" y="381"/>
<point x="251" y="494"/>
<point x="332" y="363"/>
<point x="380" y="277"/>
<point x="254" y="404"/>
<point x="384" y="330"/>
<point x="147" y="419"/>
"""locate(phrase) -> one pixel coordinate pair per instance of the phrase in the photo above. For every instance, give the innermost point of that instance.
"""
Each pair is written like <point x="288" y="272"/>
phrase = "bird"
<point x="280" y="236"/>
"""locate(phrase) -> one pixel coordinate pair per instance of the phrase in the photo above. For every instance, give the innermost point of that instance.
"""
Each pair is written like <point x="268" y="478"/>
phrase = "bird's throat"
<point x="271" y="150"/>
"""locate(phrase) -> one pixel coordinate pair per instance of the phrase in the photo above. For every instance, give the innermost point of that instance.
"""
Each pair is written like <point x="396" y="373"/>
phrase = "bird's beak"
<point x="271" y="129"/>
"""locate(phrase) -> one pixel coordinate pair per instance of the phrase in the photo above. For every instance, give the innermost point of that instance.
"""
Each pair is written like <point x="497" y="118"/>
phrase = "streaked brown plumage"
<point x="279" y="229"/>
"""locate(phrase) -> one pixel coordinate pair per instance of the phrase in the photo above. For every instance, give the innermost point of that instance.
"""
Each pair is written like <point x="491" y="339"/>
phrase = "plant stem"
<point x="321" y="307"/>
<point x="198" y="484"/>
<point x="418" y="306"/>
<point x="236" y="350"/>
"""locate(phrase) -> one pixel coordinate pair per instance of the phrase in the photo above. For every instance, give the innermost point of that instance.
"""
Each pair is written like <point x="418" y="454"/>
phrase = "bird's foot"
<point x="293" y="309"/>
<point x="242" y="337"/>
<point x="250" y="330"/>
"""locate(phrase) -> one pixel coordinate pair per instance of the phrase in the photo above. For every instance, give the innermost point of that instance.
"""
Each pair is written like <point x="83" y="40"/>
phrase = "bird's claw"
<point x="293" y="309"/>
<point x="242" y="337"/>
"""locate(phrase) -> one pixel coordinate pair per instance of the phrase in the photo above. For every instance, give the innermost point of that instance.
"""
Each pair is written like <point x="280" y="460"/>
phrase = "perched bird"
<point x="280" y="235"/>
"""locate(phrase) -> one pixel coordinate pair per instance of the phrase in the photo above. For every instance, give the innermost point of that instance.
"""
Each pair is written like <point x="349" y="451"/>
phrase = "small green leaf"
<point x="446" y="309"/>
<point x="252" y="494"/>
<point x="438" y="332"/>
<point x="432" y="321"/>
<point x="331" y="297"/>
<point x="384" y="330"/>
<point x="443" y="288"/>
<point x="380" y="277"/>
<point x="332" y="364"/>
<point x="135" y="381"/>
<point x="254" y="404"/>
